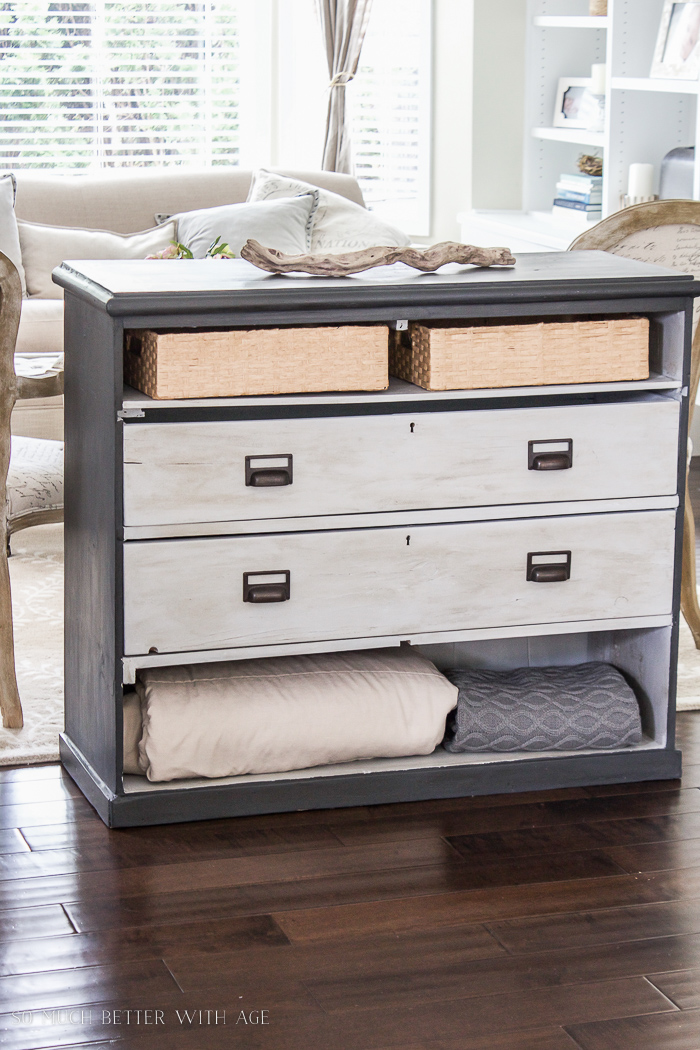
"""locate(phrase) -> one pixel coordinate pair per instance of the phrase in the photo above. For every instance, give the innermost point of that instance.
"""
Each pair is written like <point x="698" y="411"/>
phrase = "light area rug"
<point x="688" y="691"/>
<point x="36" y="574"/>
<point x="36" y="570"/>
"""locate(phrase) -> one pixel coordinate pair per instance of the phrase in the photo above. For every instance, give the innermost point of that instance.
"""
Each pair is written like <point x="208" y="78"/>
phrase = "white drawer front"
<point x="187" y="594"/>
<point x="178" y="473"/>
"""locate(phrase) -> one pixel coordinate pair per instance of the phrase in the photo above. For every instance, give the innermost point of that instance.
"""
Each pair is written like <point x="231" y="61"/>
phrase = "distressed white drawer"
<point x="188" y="594"/>
<point x="179" y="473"/>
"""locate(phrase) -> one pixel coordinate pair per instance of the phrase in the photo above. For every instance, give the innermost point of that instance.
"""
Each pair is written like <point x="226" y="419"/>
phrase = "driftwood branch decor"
<point x="346" y="263"/>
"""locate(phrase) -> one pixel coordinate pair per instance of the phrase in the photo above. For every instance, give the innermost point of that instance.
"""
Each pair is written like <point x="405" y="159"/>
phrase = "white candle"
<point x="641" y="181"/>
<point x="598" y="78"/>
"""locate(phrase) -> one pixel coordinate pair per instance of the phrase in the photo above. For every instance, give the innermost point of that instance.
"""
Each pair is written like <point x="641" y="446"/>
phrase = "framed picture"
<point x="567" y="108"/>
<point x="677" y="54"/>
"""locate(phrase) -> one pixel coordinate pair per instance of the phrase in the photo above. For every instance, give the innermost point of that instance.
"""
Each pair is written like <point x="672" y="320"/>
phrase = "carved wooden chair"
<point x="666" y="233"/>
<point x="28" y="494"/>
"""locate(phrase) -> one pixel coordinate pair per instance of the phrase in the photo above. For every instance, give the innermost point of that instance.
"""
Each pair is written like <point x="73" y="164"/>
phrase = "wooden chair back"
<point x="666" y="233"/>
<point x="10" y="306"/>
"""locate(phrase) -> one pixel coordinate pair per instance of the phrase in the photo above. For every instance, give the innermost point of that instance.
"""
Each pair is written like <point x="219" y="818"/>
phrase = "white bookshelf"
<point x="570" y="22"/>
<point x="579" y="137"/>
<point x="669" y="87"/>
<point x="645" y="117"/>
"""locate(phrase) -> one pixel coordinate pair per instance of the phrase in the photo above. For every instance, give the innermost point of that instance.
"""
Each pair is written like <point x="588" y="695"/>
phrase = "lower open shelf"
<point x="645" y="655"/>
<point x="439" y="759"/>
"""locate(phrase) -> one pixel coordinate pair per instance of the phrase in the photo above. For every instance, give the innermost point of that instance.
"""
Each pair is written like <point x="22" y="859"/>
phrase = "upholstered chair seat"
<point x="34" y="482"/>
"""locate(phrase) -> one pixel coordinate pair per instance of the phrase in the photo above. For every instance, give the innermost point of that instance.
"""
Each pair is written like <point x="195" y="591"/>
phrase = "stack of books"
<point x="579" y="198"/>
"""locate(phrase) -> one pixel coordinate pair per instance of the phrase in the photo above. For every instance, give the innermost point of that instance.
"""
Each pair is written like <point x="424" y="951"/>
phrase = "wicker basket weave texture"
<point x="541" y="354"/>
<point x="257" y="361"/>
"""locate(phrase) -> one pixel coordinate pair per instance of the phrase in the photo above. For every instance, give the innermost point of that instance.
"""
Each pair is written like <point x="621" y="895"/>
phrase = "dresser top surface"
<point x="128" y="286"/>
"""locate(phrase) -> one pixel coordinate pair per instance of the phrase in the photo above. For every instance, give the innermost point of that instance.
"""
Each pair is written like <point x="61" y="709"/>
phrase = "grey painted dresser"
<point x="410" y="518"/>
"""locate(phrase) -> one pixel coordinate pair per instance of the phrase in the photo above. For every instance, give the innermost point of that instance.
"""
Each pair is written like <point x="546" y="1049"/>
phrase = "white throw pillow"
<point x="9" y="237"/>
<point x="339" y="225"/>
<point x="284" y="224"/>
<point x="45" y="247"/>
<point x="40" y="327"/>
<point x="288" y="712"/>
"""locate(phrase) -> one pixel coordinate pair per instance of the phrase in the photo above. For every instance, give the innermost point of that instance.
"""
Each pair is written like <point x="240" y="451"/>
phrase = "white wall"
<point x="479" y="70"/>
<point x="453" y="76"/>
<point x="498" y="104"/>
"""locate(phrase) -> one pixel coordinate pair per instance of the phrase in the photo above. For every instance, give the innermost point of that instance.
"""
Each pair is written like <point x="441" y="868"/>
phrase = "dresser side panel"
<point x="92" y="496"/>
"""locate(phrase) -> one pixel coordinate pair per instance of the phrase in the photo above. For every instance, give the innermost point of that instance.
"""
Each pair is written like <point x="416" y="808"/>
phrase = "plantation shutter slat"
<point x="105" y="84"/>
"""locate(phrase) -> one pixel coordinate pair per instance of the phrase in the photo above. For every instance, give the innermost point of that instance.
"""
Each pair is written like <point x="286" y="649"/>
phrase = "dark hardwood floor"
<point x="550" y="921"/>
<point x="547" y="921"/>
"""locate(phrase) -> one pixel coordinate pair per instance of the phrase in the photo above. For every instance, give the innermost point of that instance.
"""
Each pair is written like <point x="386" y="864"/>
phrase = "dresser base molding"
<point x="184" y="801"/>
<point x="92" y="786"/>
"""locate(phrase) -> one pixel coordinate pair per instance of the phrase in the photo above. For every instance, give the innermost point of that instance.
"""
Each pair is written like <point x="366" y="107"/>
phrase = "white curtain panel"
<point x="344" y="23"/>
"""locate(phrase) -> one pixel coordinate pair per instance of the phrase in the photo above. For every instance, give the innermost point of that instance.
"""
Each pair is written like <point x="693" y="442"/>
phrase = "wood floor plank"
<point x="67" y="883"/>
<point x="129" y="944"/>
<point x="12" y="841"/>
<point x="537" y="1039"/>
<point x="682" y="987"/>
<point x="104" y="911"/>
<point x="691" y="776"/>
<point x="657" y="856"/>
<point x="26" y="774"/>
<point x="118" y="903"/>
<point x="438" y="978"/>
<point x="29" y="792"/>
<point x="65" y="811"/>
<point x="385" y="956"/>
<point x="609" y="926"/>
<point x="564" y="838"/>
<point x="327" y="921"/>
<point x="165" y="843"/>
<point x="121" y="851"/>
<point x="21" y="923"/>
<point x="517" y="817"/>
<point x="673" y="1031"/>
<point x="480" y="1016"/>
<point x="238" y="871"/>
<point x="59" y="989"/>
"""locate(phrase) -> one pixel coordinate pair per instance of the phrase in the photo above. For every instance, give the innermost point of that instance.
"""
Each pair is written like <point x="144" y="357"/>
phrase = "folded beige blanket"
<point x="281" y="713"/>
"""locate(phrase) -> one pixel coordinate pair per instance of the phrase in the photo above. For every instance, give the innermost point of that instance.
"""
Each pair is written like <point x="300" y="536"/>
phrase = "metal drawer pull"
<point x="548" y="566"/>
<point x="268" y="471"/>
<point x="264" y="587"/>
<point x="550" y="455"/>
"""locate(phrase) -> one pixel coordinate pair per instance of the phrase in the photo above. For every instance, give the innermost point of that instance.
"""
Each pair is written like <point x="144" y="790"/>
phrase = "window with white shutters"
<point x="390" y="106"/>
<point x="102" y="84"/>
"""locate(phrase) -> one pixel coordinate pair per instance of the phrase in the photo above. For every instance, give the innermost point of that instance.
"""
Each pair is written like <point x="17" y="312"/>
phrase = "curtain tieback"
<point x="341" y="80"/>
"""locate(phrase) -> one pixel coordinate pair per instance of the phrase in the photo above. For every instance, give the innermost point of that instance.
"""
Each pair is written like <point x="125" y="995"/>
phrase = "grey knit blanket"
<point x="543" y="709"/>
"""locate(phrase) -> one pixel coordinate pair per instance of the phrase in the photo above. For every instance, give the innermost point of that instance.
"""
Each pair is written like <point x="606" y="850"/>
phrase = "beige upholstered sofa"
<point x="123" y="202"/>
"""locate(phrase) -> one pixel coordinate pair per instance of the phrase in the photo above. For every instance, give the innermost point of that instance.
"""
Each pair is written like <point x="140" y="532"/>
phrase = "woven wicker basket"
<point x="536" y="354"/>
<point x="256" y="361"/>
